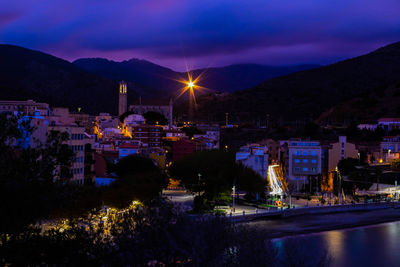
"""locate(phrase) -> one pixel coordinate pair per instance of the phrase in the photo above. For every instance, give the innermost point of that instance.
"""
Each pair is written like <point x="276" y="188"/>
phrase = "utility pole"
<point x="199" y="175"/>
<point x="233" y="194"/>
<point x="226" y="118"/>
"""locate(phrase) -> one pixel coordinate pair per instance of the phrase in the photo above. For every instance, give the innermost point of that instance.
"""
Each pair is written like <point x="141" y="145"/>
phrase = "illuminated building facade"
<point x="123" y="98"/>
<point x="305" y="161"/>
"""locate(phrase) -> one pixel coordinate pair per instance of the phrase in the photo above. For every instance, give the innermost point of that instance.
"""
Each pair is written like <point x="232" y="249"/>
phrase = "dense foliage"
<point x="35" y="183"/>
<point x="212" y="173"/>
<point x="26" y="175"/>
<point x="139" y="178"/>
<point x="191" y="130"/>
<point x="395" y="165"/>
<point x="154" y="118"/>
<point x="348" y="165"/>
<point x="154" y="235"/>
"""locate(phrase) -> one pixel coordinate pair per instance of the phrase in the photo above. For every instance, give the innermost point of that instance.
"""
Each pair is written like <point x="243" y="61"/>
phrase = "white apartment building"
<point x="255" y="157"/>
<point x="341" y="150"/>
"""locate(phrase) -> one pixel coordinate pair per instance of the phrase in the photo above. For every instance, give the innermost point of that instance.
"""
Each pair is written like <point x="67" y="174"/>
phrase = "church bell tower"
<point x="122" y="103"/>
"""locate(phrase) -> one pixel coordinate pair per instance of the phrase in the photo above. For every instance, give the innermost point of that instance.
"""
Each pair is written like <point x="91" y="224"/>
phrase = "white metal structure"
<point x="275" y="184"/>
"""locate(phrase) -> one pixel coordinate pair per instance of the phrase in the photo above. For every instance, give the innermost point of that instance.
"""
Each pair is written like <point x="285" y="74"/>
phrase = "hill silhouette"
<point x="151" y="80"/>
<point x="28" y="74"/>
<point x="308" y="94"/>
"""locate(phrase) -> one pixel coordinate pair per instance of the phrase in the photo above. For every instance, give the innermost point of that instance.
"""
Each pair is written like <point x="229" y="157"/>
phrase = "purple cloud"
<point x="204" y="32"/>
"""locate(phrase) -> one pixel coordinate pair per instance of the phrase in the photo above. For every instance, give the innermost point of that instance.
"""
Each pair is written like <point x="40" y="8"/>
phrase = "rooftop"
<point x="389" y="120"/>
<point x="128" y="145"/>
<point x="151" y="102"/>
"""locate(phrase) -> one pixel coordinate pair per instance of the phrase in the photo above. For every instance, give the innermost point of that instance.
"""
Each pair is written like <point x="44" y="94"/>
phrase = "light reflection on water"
<point x="334" y="242"/>
<point x="377" y="245"/>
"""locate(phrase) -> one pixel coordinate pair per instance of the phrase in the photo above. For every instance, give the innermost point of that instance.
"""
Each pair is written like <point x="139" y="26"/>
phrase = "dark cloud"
<point x="205" y="32"/>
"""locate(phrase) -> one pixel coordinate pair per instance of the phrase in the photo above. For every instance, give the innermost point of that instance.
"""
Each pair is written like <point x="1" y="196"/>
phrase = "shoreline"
<point x="310" y="224"/>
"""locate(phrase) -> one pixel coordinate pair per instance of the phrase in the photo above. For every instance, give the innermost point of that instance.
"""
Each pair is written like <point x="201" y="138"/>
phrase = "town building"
<point x="76" y="141"/>
<point x="255" y="157"/>
<point x="371" y="149"/>
<point x="81" y="119"/>
<point x="273" y="149"/>
<point x="103" y="117"/>
<point x="174" y="133"/>
<point x="210" y="135"/>
<point x="89" y="160"/>
<point x="341" y="150"/>
<point x="164" y="107"/>
<point x="148" y="135"/>
<point x="61" y="121"/>
<point x="29" y="107"/>
<point x="369" y="127"/>
<point x="127" y="149"/>
<point x="134" y="119"/>
<point x="304" y="162"/>
<point x="390" y="148"/>
<point x="389" y="124"/>
<point x="183" y="148"/>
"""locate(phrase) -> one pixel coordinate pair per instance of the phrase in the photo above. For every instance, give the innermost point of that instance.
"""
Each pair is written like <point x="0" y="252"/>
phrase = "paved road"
<point x="180" y="197"/>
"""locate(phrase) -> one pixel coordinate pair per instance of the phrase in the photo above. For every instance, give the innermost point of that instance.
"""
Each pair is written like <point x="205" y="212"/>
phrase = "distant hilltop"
<point x="354" y="90"/>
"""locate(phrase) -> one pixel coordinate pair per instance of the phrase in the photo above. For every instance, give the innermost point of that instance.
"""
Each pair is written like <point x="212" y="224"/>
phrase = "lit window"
<point x="305" y="169"/>
<point x="305" y="160"/>
<point x="296" y="161"/>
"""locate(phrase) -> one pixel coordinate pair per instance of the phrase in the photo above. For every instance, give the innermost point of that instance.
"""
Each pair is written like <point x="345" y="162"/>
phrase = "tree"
<point x="190" y="131"/>
<point x="125" y="115"/>
<point x="248" y="180"/>
<point x="156" y="235"/>
<point x="139" y="178"/>
<point x="28" y="191"/>
<point x="395" y="165"/>
<point x="348" y="165"/>
<point x="34" y="182"/>
<point x="154" y="118"/>
<point x="211" y="173"/>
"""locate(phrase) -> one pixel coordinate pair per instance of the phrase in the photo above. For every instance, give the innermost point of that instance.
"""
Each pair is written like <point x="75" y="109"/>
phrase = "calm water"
<point x="377" y="245"/>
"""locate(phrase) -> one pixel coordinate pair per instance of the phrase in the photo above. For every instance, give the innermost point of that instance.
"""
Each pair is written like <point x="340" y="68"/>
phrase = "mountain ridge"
<point x="307" y="94"/>
<point x="151" y="76"/>
<point x="30" y="74"/>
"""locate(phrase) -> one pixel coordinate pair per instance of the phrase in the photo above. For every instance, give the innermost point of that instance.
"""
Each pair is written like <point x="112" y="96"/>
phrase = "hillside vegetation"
<point x="307" y="94"/>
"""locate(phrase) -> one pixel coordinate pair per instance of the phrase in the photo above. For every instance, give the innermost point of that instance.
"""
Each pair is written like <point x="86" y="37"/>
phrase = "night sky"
<point x="202" y="32"/>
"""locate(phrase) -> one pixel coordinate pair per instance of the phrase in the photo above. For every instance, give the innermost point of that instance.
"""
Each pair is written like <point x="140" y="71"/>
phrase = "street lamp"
<point x="233" y="198"/>
<point x="199" y="175"/>
<point x="191" y="86"/>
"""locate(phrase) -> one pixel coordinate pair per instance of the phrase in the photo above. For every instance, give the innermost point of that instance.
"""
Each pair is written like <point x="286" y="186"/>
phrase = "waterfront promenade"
<point x="255" y="214"/>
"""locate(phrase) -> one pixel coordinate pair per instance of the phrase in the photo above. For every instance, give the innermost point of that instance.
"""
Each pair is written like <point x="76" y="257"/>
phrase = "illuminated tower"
<point x="122" y="103"/>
